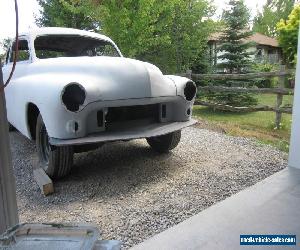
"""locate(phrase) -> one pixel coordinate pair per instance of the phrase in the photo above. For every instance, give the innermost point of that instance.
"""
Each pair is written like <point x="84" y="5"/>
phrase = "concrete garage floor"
<point x="272" y="206"/>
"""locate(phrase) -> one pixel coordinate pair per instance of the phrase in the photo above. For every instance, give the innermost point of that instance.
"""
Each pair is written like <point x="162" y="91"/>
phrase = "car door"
<point x="14" y="92"/>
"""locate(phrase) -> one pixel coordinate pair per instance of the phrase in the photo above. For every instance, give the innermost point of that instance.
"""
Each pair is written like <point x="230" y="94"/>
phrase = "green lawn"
<point x="259" y="125"/>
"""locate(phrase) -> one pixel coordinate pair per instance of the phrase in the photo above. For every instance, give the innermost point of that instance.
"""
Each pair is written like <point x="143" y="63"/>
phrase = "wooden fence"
<point x="280" y="91"/>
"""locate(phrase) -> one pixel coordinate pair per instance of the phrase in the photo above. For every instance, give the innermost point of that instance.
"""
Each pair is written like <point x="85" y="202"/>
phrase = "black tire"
<point x="165" y="143"/>
<point x="56" y="161"/>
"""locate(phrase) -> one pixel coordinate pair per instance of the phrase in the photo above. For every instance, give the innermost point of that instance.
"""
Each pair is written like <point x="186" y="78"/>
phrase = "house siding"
<point x="264" y="50"/>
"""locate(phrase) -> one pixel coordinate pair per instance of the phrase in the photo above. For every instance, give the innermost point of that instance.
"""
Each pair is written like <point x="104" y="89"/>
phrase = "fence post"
<point x="279" y="98"/>
<point x="188" y="74"/>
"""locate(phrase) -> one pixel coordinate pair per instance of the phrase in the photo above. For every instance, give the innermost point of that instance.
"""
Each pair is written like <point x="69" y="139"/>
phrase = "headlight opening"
<point x="73" y="96"/>
<point x="190" y="91"/>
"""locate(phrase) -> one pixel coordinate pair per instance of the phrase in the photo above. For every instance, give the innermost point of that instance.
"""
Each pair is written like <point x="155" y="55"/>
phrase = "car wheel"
<point x="56" y="161"/>
<point x="165" y="143"/>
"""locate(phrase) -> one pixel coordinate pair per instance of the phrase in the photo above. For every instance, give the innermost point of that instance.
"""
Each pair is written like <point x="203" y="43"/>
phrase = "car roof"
<point x="62" y="31"/>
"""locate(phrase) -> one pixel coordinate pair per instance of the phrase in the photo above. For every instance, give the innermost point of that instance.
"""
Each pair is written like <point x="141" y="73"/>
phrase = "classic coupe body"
<point x="73" y="90"/>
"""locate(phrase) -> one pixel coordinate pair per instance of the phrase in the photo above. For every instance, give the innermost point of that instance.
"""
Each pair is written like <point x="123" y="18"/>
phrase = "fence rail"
<point x="280" y="91"/>
<point x="240" y="76"/>
<point x="287" y="110"/>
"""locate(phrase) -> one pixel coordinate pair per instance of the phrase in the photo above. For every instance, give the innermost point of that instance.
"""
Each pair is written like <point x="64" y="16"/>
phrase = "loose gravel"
<point x="132" y="193"/>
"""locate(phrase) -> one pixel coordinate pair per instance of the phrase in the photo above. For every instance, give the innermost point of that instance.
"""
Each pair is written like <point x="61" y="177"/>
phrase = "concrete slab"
<point x="272" y="206"/>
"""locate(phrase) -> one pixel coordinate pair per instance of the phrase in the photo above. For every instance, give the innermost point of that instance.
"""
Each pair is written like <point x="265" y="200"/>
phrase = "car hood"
<point x="110" y="78"/>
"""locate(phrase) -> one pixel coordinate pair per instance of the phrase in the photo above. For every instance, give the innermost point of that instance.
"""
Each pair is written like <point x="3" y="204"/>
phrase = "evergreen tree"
<point x="235" y="56"/>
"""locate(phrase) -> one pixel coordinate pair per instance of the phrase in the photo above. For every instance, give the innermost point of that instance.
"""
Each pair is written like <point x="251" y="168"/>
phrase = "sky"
<point x="253" y="5"/>
<point x="29" y="8"/>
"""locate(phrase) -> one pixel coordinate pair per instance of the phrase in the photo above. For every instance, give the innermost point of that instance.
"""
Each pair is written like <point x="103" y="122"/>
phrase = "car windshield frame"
<point x="72" y="45"/>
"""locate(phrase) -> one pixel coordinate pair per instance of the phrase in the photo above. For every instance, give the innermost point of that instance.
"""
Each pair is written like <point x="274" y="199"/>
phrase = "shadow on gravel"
<point x="115" y="170"/>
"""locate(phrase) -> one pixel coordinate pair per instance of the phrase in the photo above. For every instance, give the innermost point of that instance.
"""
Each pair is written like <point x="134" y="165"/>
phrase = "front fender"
<point x="44" y="90"/>
<point x="180" y="83"/>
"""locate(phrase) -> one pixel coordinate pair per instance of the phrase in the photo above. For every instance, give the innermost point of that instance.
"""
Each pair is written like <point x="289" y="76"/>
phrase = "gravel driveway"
<point x="132" y="193"/>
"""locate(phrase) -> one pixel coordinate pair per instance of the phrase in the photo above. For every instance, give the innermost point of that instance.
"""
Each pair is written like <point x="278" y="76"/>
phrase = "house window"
<point x="259" y="52"/>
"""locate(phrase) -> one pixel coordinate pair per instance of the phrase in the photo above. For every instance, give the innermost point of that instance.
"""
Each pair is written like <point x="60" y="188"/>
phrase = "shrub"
<point x="265" y="82"/>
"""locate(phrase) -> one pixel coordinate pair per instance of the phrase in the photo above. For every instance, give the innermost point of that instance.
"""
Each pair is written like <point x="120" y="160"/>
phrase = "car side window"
<point x="24" y="54"/>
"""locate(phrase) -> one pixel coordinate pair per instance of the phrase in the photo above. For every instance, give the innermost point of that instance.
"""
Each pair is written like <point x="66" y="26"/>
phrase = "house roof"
<point x="264" y="40"/>
<point x="256" y="37"/>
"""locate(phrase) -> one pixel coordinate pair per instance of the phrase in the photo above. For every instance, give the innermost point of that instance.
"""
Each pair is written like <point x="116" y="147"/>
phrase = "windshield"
<point x="52" y="46"/>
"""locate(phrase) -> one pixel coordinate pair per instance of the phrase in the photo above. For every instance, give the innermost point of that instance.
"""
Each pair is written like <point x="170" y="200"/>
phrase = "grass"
<point x="258" y="125"/>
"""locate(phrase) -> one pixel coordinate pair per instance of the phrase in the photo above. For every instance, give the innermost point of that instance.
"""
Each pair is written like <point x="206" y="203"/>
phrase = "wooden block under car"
<point x="43" y="181"/>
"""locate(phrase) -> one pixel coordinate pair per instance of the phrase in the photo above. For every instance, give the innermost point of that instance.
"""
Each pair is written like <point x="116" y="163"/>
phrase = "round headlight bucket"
<point x="190" y="91"/>
<point x="73" y="96"/>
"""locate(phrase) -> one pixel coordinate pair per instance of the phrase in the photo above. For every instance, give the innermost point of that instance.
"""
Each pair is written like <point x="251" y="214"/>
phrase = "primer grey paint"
<point x="108" y="82"/>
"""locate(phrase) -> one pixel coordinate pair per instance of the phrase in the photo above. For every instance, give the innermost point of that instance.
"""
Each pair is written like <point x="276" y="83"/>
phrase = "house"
<point x="265" y="49"/>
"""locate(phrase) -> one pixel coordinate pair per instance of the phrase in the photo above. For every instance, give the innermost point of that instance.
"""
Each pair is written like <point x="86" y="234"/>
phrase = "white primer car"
<point x="73" y="91"/>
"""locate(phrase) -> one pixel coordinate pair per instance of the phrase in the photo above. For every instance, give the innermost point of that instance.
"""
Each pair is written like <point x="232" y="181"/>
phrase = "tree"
<point x="4" y="47"/>
<point x="288" y="35"/>
<point x="56" y="13"/>
<point x="171" y="34"/>
<point x="235" y="57"/>
<point x="186" y="33"/>
<point x="273" y="11"/>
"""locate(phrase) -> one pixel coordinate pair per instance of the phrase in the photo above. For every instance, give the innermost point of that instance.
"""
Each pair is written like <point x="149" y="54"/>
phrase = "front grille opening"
<point x="164" y="111"/>
<point x="100" y="118"/>
<point x="149" y="113"/>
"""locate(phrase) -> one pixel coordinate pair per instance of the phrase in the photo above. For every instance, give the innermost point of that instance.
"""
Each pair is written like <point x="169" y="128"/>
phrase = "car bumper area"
<point x="150" y="130"/>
